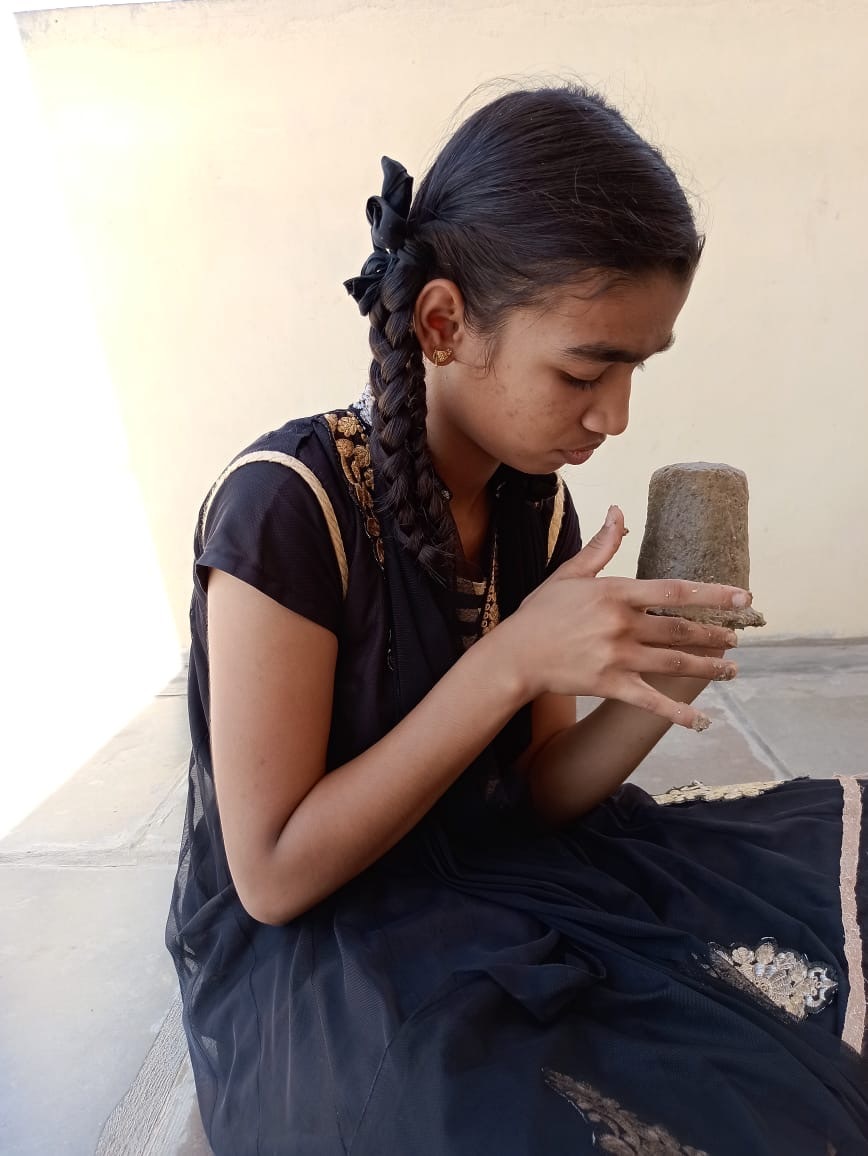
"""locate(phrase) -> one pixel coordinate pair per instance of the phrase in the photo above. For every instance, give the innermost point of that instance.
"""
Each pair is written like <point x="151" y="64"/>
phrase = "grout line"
<point x="63" y="857"/>
<point x="130" y="850"/>
<point x="757" y="745"/>
<point x="175" y="794"/>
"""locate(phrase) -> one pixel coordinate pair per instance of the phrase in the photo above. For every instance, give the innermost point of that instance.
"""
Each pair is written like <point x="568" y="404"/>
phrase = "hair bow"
<point x="387" y="215"/>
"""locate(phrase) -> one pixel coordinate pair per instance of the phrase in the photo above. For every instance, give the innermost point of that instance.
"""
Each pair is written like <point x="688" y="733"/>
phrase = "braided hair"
<point x="532" y="191"/>
<point x="413" y="492"/>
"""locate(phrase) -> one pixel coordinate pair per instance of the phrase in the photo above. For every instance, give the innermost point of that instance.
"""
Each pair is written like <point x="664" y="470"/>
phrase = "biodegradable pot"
<point x="697" y="529"/>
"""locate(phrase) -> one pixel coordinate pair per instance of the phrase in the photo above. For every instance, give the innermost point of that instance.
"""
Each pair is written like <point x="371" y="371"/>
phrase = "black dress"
<point x="678" y="975"/>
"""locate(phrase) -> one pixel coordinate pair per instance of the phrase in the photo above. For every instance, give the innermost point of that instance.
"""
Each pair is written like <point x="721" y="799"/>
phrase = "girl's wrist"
<point x="508" y="664"/>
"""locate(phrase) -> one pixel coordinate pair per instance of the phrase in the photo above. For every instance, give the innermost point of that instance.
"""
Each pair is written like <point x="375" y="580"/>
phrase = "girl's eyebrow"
<point x="598" y="351"/>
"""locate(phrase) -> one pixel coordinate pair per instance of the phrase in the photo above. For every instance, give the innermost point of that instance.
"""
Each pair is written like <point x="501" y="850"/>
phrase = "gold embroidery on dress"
<point x="615" y="1129"/>
<point x="351" y="443"/>
<point x="698" y="792"/>
<point x="787" y="978"/>
<point x="491" y="610"/>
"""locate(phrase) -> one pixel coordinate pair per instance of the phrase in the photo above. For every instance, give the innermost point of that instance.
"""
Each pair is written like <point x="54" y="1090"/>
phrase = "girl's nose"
<point x="609" y="411"/>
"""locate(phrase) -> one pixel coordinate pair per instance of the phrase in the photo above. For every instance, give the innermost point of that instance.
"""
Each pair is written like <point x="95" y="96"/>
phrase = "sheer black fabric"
<point x="489" y="985"/>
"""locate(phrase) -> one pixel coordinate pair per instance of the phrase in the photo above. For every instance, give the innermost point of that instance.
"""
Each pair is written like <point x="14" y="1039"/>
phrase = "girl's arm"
<point x="293" y="834"/>
<point x="573" y="766"/>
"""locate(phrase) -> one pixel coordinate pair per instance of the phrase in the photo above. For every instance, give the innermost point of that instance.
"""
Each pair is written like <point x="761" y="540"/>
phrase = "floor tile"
<point x="719" y="756"/>
<point x="813" y="658"/>
<point x="815" y="724"/>
<point x="84" y="986"/>
<point x="107" y="801"/>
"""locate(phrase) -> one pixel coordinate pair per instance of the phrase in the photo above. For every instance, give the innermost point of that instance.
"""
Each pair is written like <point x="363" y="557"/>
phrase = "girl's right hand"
<point x="578" y="634"/>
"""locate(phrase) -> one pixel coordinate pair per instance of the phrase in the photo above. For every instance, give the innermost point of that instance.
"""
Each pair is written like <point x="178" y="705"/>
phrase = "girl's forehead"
<point x="636" y="314"/>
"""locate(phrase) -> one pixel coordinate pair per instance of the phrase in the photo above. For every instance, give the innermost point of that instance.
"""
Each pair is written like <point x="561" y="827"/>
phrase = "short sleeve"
<point x="565" y="538"/>
<point x="268" y="525"/>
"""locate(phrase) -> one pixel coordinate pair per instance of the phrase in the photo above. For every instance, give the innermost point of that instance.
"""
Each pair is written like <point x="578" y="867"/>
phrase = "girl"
<point x="416" y="911"/>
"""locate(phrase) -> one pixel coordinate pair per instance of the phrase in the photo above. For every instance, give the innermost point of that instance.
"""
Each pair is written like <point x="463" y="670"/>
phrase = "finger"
<point x="703" y="650"/>
<point x="656" y="660"/>
<point x="601" y="549"/>
<point x="665" y="593"/>
<point x="657" y="630"/>
<point x="634" y="691"/>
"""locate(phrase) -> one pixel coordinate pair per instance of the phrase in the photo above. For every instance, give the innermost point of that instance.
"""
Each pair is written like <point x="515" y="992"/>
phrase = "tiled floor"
<point x="89" y="1041"/>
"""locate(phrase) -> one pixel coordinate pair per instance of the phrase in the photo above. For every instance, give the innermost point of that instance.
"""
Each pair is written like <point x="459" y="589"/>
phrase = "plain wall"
<point x="215" y="157"/>
<point x="88" y="635"/>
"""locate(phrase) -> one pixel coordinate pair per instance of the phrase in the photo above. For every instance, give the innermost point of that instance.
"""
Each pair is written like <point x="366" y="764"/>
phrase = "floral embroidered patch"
<point x="787" y="978"/>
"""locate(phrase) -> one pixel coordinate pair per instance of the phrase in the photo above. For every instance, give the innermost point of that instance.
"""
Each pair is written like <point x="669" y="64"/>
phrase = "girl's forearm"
<point x="584" y="764"/>
<point x="358" y="811"/>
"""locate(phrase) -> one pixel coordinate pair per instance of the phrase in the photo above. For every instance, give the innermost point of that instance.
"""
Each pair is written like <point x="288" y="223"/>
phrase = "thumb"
<point x="601" y="549"/>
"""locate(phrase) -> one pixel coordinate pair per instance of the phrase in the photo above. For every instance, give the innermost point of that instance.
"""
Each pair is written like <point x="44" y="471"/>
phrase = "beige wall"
<point x="88" y="634"/>
<point x="216" y="156"/>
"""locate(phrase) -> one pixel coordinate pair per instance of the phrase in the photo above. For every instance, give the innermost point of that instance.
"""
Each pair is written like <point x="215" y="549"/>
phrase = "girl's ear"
<point x="438" y="317"/>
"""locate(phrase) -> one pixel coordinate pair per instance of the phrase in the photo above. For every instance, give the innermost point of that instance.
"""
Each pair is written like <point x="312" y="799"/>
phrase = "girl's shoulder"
<point x="283" y="514"/>
<point x="325" y="453"/>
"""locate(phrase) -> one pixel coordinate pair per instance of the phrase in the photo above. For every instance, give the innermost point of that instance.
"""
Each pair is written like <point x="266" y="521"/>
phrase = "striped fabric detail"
<point x="469" y="603"/>
<point x="854" y="952"/>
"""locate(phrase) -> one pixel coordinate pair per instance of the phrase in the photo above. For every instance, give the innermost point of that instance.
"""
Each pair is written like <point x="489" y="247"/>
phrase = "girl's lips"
<point x="578" y="457"/>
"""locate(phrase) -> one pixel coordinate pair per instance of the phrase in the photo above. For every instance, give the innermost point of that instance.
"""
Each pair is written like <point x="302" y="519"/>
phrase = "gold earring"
<point x="442" y="356"/>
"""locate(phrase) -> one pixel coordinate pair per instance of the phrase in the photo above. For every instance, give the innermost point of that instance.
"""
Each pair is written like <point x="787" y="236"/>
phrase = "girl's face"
<point x="559" y="383"/>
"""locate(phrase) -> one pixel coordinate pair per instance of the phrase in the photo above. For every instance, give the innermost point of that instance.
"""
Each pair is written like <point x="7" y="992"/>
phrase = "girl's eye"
<point x="578" y="382"/>
<point x="584" y="383"/>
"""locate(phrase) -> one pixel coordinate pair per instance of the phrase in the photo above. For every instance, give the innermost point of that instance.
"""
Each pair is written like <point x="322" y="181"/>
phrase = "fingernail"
<point x="742" y="599"/>
<point x="611" y="516"/>
<point x="701" y="723"/>
<point x="732" y="638"/>
<point x="624" y="532"/>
